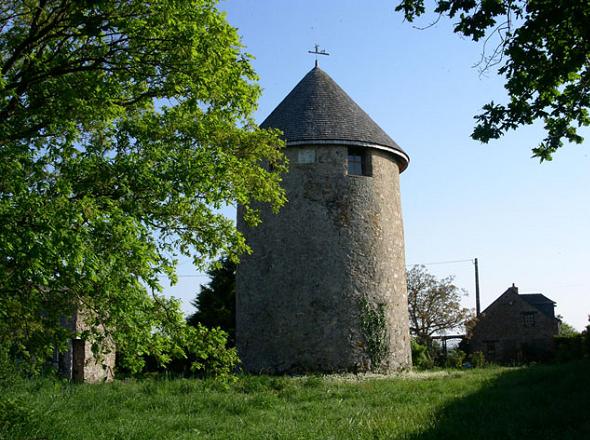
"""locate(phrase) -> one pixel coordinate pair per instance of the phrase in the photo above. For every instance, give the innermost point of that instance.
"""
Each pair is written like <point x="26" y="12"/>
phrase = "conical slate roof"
<point x="318" y="111"/>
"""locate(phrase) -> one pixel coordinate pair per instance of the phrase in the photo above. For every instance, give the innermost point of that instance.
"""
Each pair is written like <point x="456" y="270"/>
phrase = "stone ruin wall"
<point x="79" y="363"/>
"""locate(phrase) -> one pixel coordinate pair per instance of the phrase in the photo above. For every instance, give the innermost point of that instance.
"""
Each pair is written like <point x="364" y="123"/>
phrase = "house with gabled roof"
<point x="516" y="327"/>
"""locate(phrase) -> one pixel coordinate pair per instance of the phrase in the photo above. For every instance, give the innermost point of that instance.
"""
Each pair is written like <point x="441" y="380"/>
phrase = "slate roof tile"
<point x="318" y="110"/>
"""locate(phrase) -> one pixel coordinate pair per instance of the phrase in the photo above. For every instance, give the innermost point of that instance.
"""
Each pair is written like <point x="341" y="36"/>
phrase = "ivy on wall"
<point x="374" y="330"/>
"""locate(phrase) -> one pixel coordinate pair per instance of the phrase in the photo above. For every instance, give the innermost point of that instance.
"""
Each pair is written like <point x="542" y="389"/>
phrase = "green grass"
<point x="540" y="402"/>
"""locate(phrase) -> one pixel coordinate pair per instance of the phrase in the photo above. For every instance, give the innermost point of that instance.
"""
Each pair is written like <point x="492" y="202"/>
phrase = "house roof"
<point x="535" y="299"/>
<point x="540" y="302"/>
<point x="511" y="290"/>
<point x="318" y="111"/>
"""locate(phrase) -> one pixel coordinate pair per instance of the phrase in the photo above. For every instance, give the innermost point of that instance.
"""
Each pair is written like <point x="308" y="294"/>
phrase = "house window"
<point x="358" y="162"/>
<point x="528" y="319"/>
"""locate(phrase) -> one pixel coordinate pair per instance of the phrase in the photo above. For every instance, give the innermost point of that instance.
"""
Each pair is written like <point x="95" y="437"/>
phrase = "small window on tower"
<point x="306" y="155"/>
<point x="358" y="162"/>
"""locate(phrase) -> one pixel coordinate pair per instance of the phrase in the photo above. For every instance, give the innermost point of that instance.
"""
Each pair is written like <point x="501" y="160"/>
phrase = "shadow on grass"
<point x="539" y="402"/>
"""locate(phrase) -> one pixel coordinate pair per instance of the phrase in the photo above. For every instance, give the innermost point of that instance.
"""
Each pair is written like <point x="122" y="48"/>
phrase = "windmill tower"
<point x="325" y="286"/>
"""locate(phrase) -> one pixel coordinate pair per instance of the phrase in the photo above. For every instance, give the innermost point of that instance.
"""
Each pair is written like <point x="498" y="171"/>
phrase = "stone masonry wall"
<point x="79" y="363"/>
<point x="335" y="250"/>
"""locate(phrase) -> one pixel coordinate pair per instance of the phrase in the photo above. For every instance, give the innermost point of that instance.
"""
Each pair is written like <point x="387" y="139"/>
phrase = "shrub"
<point x="420" y="356"/>
<point x="586" y="334"/>
<point x="478" y="360"/>
<point x="568" y="348"/>
<point x="13" y="414"/>
<point x="209" y="353"/>
<point x="7" y="374"/>
<point x="455" y="359"/>
<point x="11" y="372"/>
<point x="189" y="351"/>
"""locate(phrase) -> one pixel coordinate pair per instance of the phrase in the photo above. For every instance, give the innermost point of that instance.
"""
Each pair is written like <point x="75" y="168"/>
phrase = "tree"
<point x="565" y="329"/>
<point x="124" y="127"/>
<point x="433" y="305"/>
<point x="542" y="49"/>
<point x="216" y="301"/>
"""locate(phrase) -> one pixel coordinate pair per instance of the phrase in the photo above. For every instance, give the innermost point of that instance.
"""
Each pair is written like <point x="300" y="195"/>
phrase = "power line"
<point x="443" y="262"/>
<point x="471" y="260"/>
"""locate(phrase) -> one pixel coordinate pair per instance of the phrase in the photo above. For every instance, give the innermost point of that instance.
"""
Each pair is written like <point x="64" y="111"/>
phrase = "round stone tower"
<point x="325" y="287"/>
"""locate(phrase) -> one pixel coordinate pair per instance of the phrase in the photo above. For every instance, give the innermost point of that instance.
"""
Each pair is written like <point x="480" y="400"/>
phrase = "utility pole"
<point x="477" y="305"/>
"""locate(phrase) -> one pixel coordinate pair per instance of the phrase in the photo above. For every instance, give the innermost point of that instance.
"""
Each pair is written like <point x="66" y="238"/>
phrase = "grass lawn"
<point x="539" y="402"/>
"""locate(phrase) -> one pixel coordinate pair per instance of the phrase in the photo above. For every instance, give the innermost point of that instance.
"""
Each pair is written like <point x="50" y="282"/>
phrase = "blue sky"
<point x="528" y="223"/>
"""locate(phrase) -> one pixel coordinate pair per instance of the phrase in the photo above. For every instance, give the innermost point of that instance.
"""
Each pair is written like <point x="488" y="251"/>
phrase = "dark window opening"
<point x="358" y="162"/>
<point x="528" y="319"/>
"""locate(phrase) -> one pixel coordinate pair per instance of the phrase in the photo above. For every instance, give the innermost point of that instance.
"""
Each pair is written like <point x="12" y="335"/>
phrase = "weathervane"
<point x="317" y="52"/>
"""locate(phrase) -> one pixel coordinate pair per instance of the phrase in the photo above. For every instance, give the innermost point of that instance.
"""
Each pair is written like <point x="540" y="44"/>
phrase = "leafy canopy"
<point x="434" y="305"/>
<point x="124" y="127"/>
<point x="543" y="51"/>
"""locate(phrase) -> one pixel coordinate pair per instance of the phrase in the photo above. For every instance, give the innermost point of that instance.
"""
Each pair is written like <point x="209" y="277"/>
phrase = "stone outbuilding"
<point x="516" y="327"/>
<point x="325" y="287"/>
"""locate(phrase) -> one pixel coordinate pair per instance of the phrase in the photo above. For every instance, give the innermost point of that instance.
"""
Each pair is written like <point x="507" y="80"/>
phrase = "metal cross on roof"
<point x="317" y="52"/>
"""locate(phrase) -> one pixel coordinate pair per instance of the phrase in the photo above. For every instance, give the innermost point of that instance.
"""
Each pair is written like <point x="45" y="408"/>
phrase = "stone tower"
<point x="325" y="287"/>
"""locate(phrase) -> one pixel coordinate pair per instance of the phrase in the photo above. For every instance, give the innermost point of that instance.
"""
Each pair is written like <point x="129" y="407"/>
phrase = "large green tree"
<point x="542" y="48"/>
<point x="124" y="127"/>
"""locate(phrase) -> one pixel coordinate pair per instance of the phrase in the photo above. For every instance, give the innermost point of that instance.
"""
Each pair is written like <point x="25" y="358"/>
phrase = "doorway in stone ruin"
<point x="78" y="358"/>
